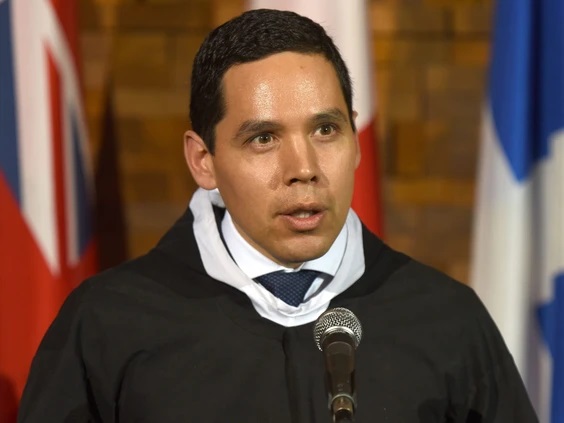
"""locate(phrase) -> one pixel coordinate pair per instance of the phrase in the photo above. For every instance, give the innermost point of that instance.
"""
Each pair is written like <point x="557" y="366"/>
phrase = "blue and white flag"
<point x="518" y="251"/>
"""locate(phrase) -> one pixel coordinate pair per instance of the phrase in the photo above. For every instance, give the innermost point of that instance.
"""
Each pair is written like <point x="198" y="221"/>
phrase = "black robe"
<point x="157" y="340"/>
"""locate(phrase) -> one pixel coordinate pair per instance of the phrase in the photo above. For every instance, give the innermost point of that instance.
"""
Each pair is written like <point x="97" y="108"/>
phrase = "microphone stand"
<point x="339" y="362"/>
<point x="343" y="410"/>
<point x="337" y="333"/>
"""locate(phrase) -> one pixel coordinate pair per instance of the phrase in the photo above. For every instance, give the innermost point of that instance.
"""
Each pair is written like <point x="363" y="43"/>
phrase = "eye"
<point x="326" y="129"/>
<point x="262" y="139"/>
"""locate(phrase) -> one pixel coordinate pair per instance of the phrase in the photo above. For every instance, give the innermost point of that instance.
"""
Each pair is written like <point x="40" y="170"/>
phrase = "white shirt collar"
<point x="220" y="266"/>
<point x="254" y="264"/>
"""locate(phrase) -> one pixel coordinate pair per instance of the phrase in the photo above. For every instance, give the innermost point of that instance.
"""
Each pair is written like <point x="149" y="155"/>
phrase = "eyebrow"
<point x="254" y="126"/>
<point x="333" y="114"/>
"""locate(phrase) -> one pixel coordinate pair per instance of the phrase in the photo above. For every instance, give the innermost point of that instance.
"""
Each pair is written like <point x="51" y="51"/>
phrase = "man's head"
<point x="285" y="148"/>
<point x="252" y="36"/>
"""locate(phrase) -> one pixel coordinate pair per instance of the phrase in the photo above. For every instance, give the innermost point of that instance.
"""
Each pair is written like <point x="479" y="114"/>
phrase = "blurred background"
<point x="127" y="64"/>
<point x="429" y="59"/>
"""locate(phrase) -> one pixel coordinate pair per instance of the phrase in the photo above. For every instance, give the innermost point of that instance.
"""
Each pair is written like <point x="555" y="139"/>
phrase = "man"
<point x="195" y="332"/>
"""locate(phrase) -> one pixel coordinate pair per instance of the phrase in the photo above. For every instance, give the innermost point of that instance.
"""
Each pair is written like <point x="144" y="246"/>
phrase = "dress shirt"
<point x="220" y="265"/>
<point x="255" y="264"/>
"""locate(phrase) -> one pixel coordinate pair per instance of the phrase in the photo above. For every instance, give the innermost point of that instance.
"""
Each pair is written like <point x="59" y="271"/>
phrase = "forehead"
<point x="284" y="81"/>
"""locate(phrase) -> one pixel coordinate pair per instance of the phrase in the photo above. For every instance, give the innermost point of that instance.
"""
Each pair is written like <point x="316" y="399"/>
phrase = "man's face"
<point x="285" y="155"/>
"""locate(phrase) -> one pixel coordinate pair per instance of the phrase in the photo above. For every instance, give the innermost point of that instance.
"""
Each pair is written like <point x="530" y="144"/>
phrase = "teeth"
<point x="303" y="214"/>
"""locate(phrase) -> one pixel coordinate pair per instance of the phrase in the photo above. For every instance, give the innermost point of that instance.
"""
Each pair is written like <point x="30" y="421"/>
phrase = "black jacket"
<point x="157" y="340"/>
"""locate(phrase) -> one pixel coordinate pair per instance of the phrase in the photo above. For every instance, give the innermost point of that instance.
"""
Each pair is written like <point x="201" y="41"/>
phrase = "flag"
<point x="347" y="23"/>
<point x="46" y="245"/>
<point x="518" y="251"/>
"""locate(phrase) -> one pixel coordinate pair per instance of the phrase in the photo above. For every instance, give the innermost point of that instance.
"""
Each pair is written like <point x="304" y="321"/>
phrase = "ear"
<point x="356" y="140"/>
<point x="199" y="160"/>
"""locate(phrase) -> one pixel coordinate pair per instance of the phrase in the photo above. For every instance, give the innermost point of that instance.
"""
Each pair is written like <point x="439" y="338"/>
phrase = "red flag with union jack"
<point x="46" y="238"/>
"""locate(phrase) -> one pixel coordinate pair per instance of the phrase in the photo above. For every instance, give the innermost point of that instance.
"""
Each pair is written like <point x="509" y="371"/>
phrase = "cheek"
<point x="246" y="185"/>
<point x="261" y="175"/>
<point x="343" y="179"/>
<point x="342" y="167"/>
<point x="264" y="174"/>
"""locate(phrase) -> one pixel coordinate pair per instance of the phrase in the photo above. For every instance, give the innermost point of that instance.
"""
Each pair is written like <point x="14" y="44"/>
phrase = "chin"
<point x="302" y="254"/>
<point x="297" y="249"/>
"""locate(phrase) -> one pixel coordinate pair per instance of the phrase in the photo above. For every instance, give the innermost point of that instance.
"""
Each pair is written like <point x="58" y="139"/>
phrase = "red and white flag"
<point x="46" y="238"/>
<point x="347" y="23"/>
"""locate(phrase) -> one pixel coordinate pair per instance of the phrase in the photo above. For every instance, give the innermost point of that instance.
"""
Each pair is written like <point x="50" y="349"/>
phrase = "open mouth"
<point x="303" y="214"/>
<point x="304" y="217"/>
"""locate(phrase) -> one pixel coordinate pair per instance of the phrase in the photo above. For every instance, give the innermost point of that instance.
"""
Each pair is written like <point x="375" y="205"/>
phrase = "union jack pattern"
<point x="46" y="238"/>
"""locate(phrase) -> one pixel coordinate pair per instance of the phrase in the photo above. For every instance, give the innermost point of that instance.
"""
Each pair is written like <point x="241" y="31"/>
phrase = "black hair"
<point x="252" y="36"/>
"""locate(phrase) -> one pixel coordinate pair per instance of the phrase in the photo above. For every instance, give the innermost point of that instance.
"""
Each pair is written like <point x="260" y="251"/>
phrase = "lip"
<point x="296" y="207"/>
<point x="303" y="224"/>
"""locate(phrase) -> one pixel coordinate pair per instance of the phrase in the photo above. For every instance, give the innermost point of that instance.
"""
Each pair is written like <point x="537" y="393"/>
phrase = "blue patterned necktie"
<point x="290" y="287"/>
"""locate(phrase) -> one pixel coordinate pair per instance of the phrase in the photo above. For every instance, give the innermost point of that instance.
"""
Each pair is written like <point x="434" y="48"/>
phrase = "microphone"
<point x="337" y="333"/>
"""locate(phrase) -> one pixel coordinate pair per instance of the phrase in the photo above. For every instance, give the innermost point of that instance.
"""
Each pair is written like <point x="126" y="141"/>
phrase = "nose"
<point x="300" y="161"/>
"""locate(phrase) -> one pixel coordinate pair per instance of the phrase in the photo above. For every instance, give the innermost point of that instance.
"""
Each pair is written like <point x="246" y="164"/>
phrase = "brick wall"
<point x="430" y="59"/>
